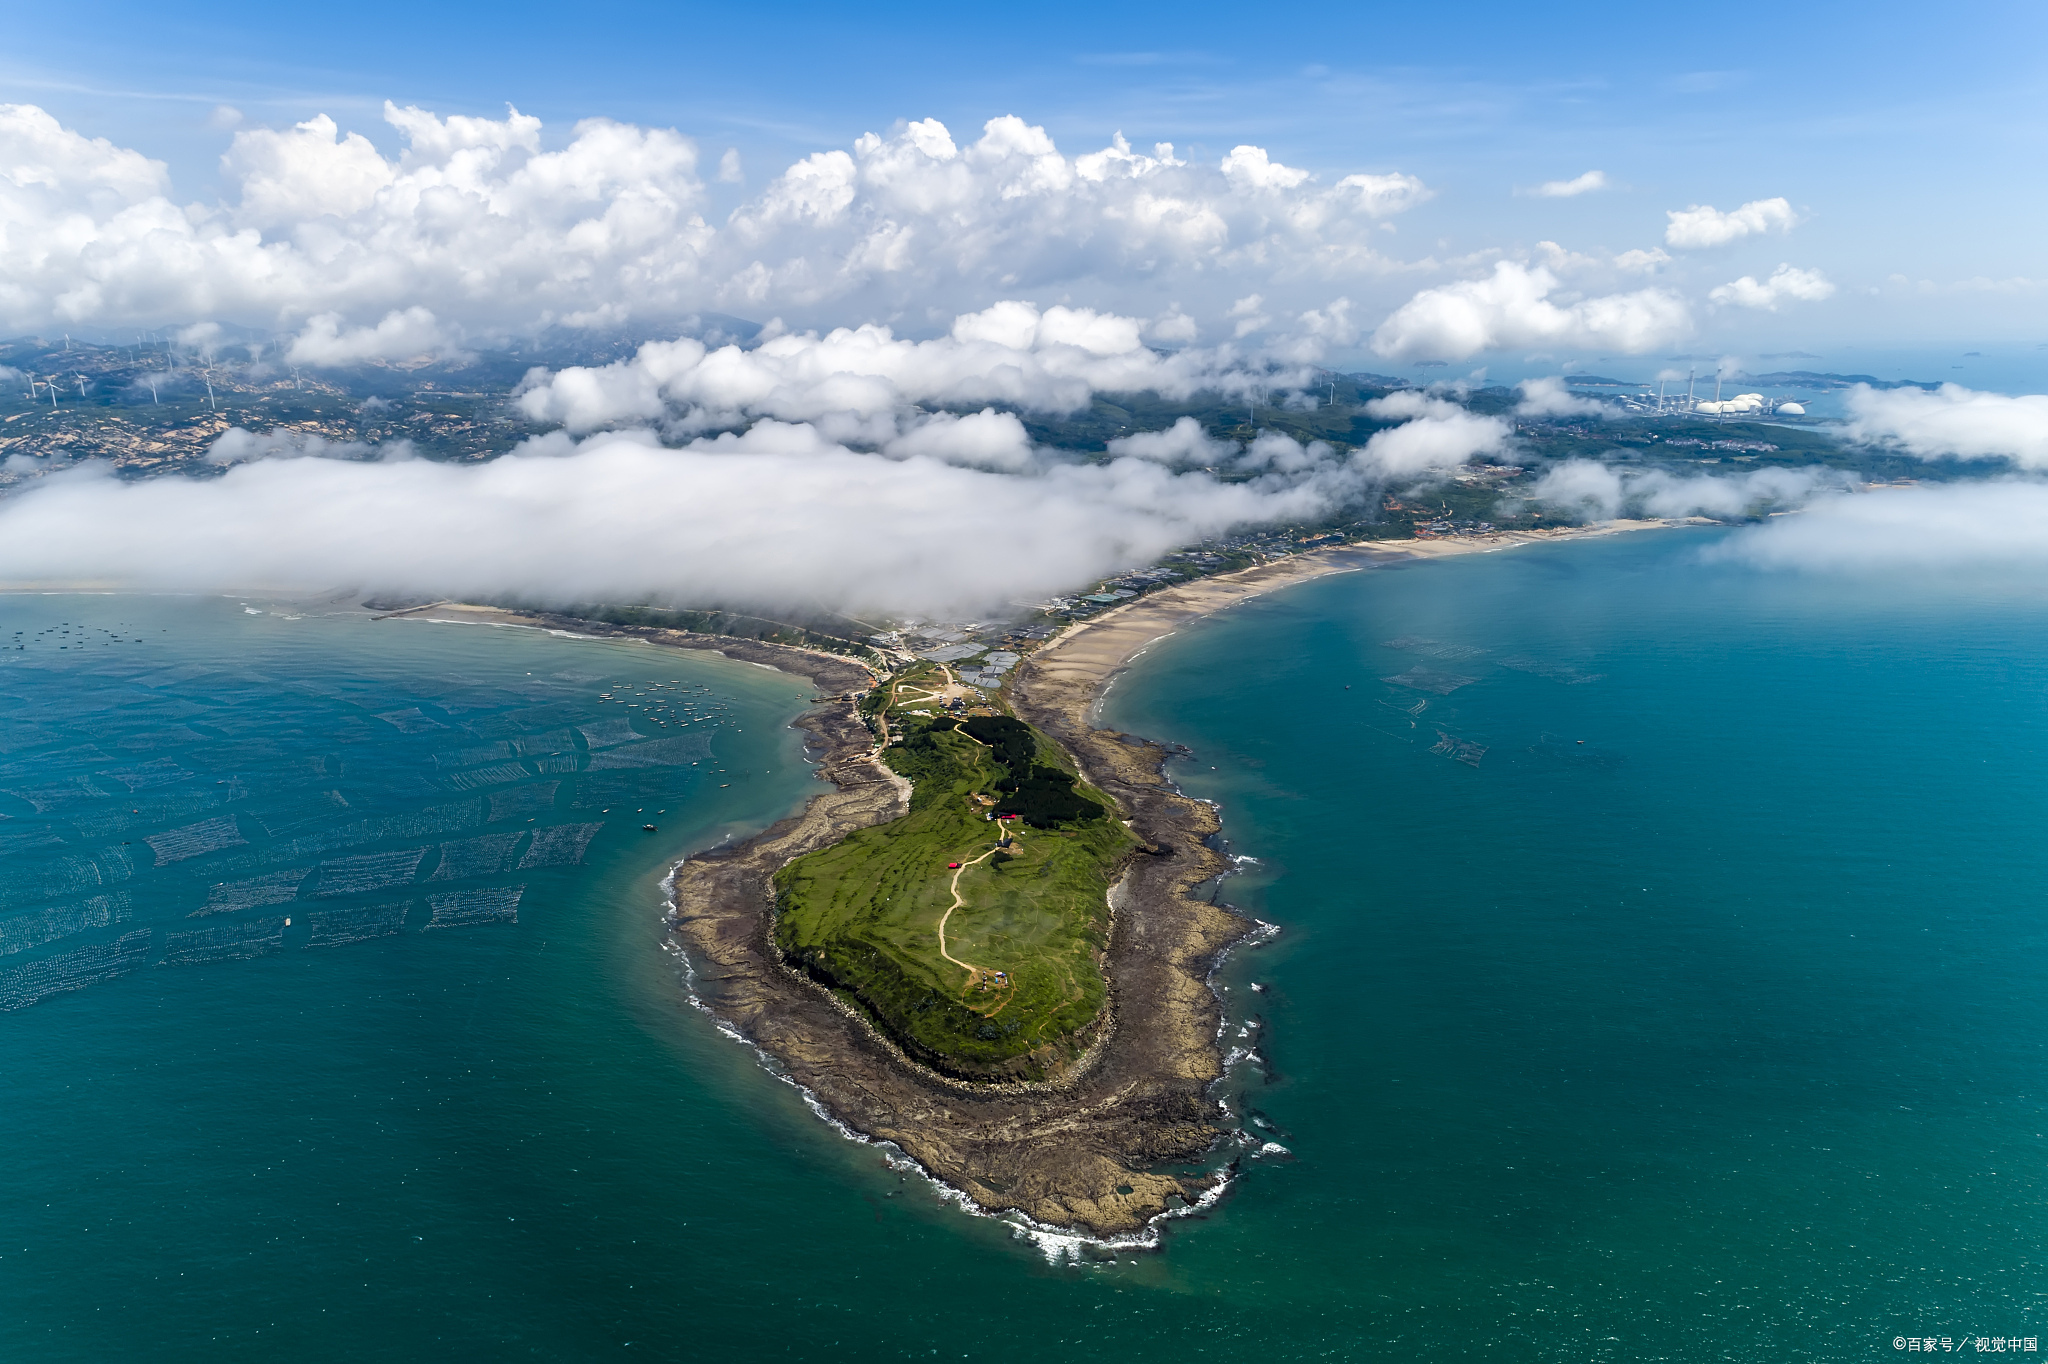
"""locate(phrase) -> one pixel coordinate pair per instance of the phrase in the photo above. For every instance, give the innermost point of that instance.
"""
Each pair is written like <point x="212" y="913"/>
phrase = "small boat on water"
<point x="648" y="827"/>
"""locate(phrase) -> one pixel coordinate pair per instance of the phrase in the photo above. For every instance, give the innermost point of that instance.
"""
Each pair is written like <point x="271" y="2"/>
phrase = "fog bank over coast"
<point x="948" y="515"/>
<point x="621" y="519"/>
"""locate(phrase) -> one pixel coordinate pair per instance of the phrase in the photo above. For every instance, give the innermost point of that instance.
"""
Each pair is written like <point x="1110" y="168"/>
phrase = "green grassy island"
<point x="972" y="930"/>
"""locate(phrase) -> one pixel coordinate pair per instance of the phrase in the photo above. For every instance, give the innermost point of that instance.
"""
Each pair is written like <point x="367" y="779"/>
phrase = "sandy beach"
<point x="1076" y="665"/>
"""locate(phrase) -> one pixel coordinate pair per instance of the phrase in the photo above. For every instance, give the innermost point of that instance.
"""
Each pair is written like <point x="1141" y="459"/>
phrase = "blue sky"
<point x="1908" y="143"/>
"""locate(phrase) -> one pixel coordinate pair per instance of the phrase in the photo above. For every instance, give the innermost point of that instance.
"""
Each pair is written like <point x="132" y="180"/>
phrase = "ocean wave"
<point x="1238" y="1056"/>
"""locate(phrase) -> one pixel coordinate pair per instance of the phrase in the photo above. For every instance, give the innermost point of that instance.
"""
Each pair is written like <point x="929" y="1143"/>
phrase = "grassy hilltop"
<point x="1018" y="971"/>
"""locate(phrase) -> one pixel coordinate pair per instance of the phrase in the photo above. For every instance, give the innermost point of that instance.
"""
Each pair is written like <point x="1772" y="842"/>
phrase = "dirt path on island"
<point x="957" y="903"/>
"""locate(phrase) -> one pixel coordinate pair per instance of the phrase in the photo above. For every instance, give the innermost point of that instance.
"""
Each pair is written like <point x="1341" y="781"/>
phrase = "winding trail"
<point x="958" y="900"/>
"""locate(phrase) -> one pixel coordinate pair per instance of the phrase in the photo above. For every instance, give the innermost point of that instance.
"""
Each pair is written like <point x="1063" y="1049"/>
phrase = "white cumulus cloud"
<point x="401" y="335"/>
<point x="1382" y="196"/>
<point x="1250" y="166"/>
<point x="1183" y="443"/>
<point x="984" y="440"/>
<point x="1512" y="307"/>
<point x="1786" y="282"/>
<point x="472" y="221"/>
<point x="1548" y="397"/>
<point x="1434" y="434"/>
<point x="1703" y="225"/>
<point x="917" y="217"/>
<point x="1048" y="360"/>
<point x="1577" y="185"/>
<point x="493" y="228"/>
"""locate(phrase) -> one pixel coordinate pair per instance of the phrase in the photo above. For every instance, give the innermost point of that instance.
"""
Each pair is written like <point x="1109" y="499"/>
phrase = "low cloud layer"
<point x="1602" y="492"/>
<point x="1960" y="526"/>
<point x="1512" y="308"/>
<point x="778" y="517"/>
<point x="239" y="446"/>
<point x="402" y="334"/>
<point x="1184" y="443"/>
<point x="1434" y="434"/>
<point x="854" y="380"/>
<point x="826" y="486"/>
<point x="1952" y="420"/>
<point x="1548" y="397"/>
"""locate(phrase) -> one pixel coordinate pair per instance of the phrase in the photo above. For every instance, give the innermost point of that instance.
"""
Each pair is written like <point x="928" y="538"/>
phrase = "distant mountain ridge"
<point x="1783" y="378"/>
<point x="1806" y="378"/>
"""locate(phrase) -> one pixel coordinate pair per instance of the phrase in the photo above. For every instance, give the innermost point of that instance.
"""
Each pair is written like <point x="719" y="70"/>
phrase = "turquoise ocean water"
<point x="1716" y="1036"/>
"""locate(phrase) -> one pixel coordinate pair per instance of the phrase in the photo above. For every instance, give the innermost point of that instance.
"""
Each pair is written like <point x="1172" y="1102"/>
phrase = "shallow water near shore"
<point x="1716" y="1035"/>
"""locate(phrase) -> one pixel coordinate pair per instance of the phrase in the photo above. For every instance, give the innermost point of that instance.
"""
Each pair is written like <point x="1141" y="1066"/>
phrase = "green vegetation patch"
<point x="1025" y="926"/>
<point x="1044" y="797"/>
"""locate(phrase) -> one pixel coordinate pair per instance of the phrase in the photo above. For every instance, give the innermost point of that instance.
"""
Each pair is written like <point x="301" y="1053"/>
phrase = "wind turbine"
<point x="208" y="376"/>
<point x="81" y="385"/>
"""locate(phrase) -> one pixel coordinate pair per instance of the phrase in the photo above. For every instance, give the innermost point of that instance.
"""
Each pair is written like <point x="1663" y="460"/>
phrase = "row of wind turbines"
<point x="40" y="387"/>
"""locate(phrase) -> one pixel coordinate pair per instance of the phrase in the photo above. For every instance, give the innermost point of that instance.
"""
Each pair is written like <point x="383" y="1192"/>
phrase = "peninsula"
<point x="1045" y="1053"/>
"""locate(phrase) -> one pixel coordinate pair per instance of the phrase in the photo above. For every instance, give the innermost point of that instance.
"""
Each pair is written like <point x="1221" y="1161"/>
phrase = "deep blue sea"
<point x="1655" y="977"/>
